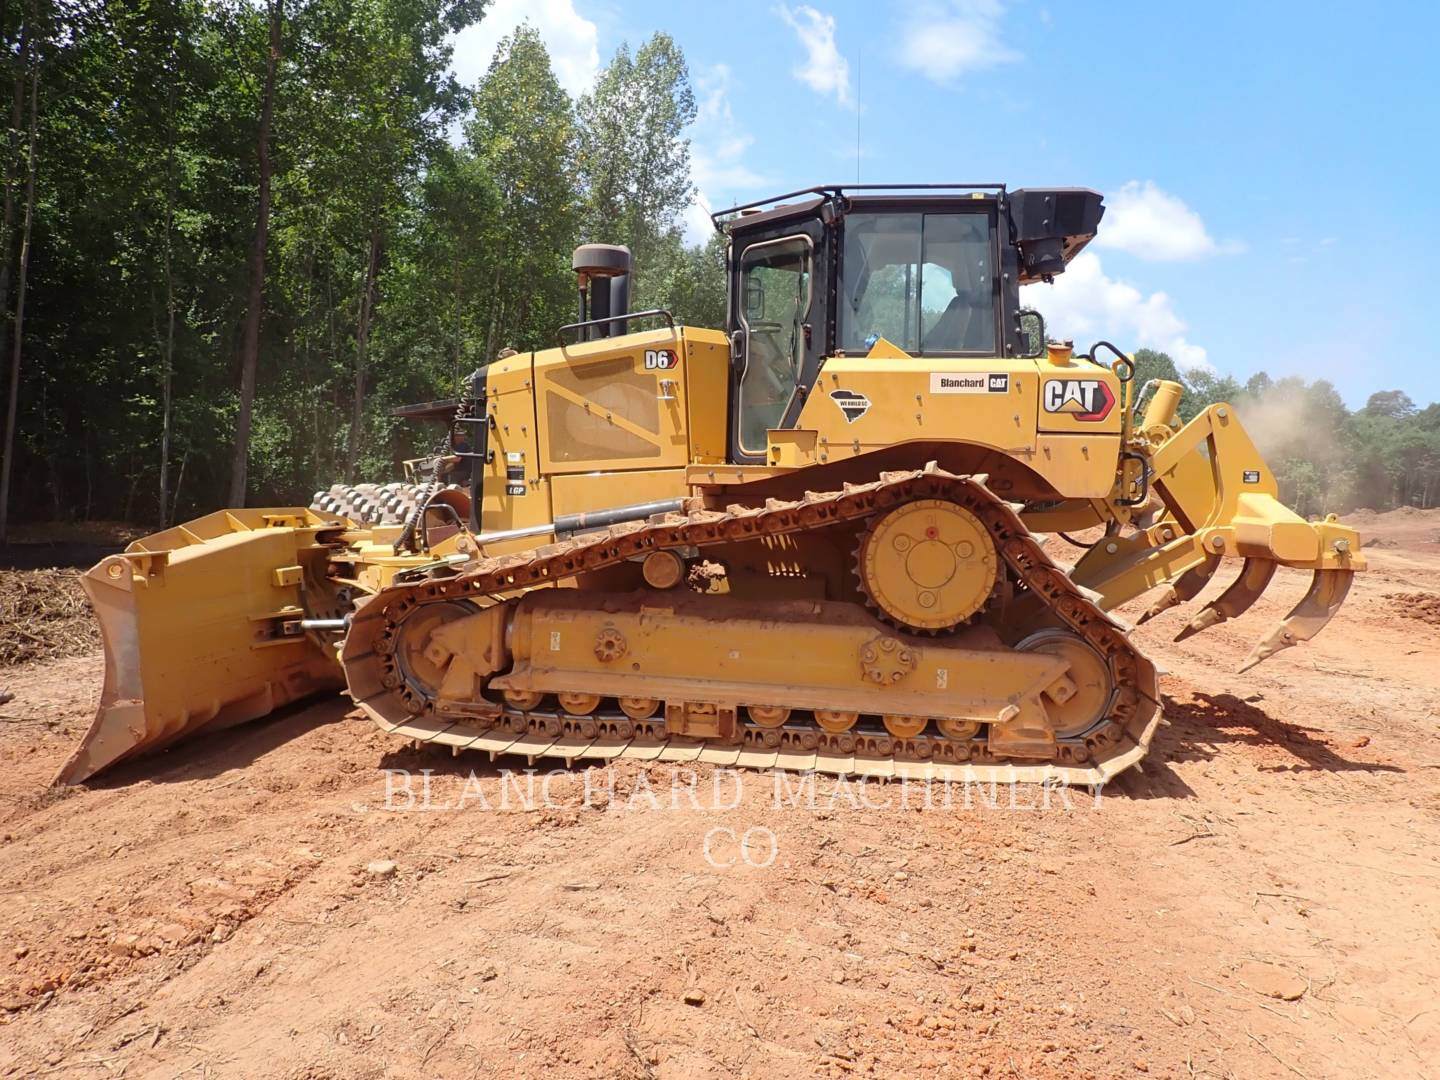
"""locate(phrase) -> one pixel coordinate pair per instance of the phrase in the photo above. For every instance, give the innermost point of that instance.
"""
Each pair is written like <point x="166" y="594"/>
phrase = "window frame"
<point x="844" y="312"/>
<point x="798" y="361"/>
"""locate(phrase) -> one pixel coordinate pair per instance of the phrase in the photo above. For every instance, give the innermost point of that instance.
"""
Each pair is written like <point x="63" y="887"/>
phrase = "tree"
<point x="634" y="161"/>
<point x="1210" y="388"/>
<point x="459" y="206"/>
<point x="30" y="66"/>
<point x="1151" y="364"/>
<point x="690" y="281"/>
<point x="1395" y="404"/>
<point x="522" y="135"/>
<point x="250" y="343"/>
<point x="1257" y="385"/>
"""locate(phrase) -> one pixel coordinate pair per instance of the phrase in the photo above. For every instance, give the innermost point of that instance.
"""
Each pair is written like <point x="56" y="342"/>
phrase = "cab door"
<point x="777" y="335"/>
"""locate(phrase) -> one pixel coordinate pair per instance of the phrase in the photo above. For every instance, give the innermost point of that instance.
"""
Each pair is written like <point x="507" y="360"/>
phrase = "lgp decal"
<point x="661" y="360"/>
<point x="853" y="405"/>
<point x="1084" y="399"/>
<point x="955" y="382"/>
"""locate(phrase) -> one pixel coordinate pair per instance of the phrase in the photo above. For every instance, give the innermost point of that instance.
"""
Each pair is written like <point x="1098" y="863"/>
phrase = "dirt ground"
<point x="1260" y="901"/>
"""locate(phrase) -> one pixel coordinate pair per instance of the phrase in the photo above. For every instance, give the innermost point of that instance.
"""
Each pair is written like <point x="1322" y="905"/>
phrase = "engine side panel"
<point x="625" y="403"/>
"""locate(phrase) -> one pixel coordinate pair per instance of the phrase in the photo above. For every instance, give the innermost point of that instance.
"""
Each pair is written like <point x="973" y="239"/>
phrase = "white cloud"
<point x="946" y="40"/>
<point x="825" y="71"/>
<point x="1156" y="226"/>
<point x="718" y="145"/>
<point x="572" y="41"/>
<point x="1085" y="304"/>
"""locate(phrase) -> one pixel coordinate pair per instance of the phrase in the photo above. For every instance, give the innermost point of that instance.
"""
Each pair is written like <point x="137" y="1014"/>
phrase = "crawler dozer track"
<point x="465" y="661"/>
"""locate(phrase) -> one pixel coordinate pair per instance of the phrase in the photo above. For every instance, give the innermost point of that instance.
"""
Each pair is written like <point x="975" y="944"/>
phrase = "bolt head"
<point x="1217" y="542"/>
<point x="1111" y="548"/>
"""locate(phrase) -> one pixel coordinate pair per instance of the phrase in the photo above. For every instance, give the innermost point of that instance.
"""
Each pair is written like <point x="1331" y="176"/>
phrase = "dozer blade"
<point x="1254" y="576"/>
<point x="1317" y="607"/>
<point x="1187" y="586"/>
<point x="192" y="623"/>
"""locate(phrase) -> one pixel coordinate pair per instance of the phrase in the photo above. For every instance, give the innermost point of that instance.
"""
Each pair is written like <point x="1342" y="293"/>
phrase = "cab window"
<point x="925" y="282"/>
<point x="774" y="302"/>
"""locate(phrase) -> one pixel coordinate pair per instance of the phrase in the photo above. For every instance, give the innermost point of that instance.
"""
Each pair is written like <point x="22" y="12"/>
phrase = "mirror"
<point x="1032" y="332"/>
<point x="754" y="298"/>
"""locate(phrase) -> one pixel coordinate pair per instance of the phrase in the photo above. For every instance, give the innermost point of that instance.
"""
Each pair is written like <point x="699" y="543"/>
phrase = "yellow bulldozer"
<point x="812" y="540"/>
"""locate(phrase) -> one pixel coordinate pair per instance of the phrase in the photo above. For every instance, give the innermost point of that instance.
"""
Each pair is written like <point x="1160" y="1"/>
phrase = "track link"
<point x="1117" y="740"/>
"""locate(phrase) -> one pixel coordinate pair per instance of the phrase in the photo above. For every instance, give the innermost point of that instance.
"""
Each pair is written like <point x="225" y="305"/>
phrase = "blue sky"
<point x="1269" y="168"/>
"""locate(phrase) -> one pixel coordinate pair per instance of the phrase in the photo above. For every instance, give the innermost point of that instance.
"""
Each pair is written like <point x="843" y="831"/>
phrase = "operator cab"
<point x="933" y="271"/>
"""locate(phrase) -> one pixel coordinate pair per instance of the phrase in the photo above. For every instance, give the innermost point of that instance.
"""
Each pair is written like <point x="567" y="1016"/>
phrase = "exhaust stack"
<point x="604" y="273"/>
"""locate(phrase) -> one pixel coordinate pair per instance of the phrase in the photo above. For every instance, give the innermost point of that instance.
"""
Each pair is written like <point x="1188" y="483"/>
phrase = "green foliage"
<point x="1395" y="404"/>
<point x="634" y="161"/>
<point x="417" y="227"/>
<point x="689" y="281"/>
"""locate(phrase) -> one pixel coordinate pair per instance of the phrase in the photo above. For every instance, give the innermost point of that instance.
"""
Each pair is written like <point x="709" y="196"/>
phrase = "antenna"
<point x="859" y="59"/>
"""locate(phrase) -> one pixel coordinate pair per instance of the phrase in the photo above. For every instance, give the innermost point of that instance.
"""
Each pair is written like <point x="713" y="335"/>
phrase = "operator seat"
<point x="961" y="327"/>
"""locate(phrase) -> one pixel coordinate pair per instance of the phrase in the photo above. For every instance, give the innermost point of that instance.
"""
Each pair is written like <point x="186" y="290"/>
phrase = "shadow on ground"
<point x="214" y="753"/>
<point x="1199" y="730"/>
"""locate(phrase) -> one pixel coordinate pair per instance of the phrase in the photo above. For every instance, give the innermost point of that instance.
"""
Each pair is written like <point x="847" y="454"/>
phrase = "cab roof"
<point x="1049" y="226"/>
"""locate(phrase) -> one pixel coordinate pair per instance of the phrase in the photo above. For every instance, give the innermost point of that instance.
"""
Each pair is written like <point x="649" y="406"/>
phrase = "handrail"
<point x="652" y="313"/>
<point x="839" y="189"/>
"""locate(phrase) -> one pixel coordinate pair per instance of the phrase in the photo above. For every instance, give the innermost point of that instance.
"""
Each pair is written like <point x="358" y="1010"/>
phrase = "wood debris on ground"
<point x="44" y="616"/>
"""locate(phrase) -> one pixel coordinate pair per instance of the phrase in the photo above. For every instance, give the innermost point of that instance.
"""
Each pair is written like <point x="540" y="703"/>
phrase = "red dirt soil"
<point x="1260" y="901"/>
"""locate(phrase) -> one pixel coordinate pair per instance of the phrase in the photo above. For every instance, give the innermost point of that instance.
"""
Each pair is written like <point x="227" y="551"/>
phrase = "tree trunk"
<point x="167" y="411"/>
<point x="250" y="345"/>
<point x="362" y="346"/>
<point x="89" y="440"/>
<point x="179" y="479"/>
<point x="458" y="330"/>
<point x="313" y="386"/>
<point x="7" y="229"/>
<point x="19" y="338"/>
<point x="495" y="307"/>
<point x="167" y="377"/>
<point x="333" y="336"/>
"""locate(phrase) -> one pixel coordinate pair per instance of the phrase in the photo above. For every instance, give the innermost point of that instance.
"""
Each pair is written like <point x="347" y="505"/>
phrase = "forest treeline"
<point x="236" y="234"/>
<point x="1325" y="457"/>
<point x="267" y="224"/>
